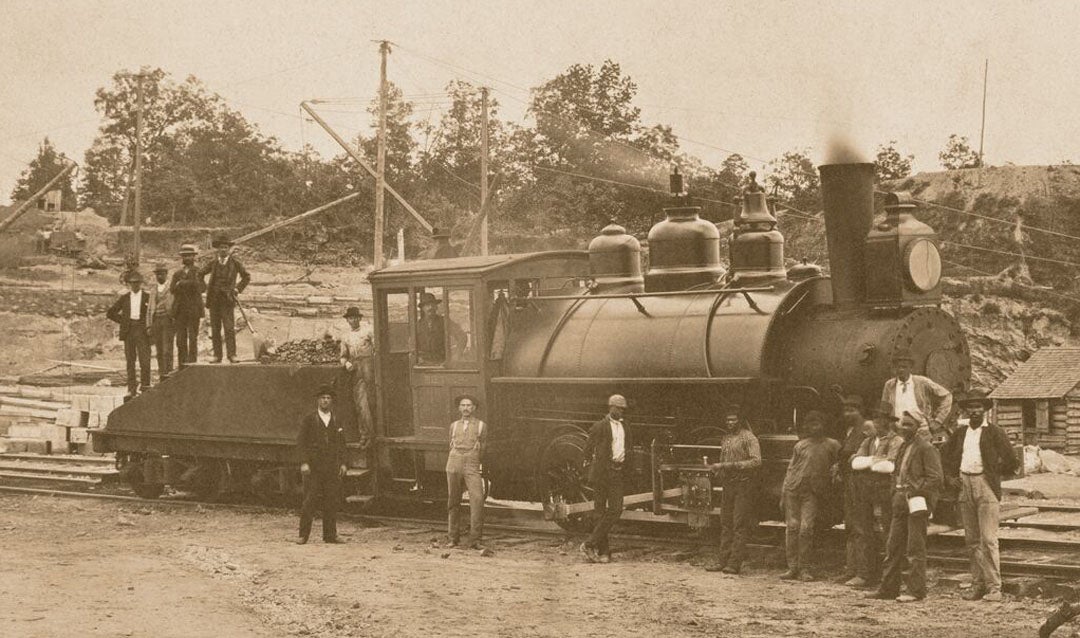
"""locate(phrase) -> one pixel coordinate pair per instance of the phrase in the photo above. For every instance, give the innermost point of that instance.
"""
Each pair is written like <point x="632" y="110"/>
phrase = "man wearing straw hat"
<point x="917" y="481"/>
<point x="976" y="457"/>
<point x="187" y="287"/>
<point x="161" y="319"/>
<point x="228" y="278"/>
<point x="357" y="350"/>
<point x="131" y="311"/>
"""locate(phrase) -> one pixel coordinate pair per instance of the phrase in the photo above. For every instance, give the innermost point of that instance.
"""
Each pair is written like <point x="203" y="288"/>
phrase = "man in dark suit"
<point x="976" y="457"/>
<point x="131" y="311"/>
<point x="187" y="287"/>
<point x="917" y="482"/>
<point x="607" y="449"/>
<point x="322" y="466"/>
<point x="228" y="278"/>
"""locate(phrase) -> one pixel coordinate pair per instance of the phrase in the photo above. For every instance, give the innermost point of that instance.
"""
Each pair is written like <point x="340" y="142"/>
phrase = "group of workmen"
<point x="172" y="309"/>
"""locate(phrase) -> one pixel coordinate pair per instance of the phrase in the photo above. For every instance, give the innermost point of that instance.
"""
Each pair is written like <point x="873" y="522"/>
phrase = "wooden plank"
<point x="1042" y="415"/>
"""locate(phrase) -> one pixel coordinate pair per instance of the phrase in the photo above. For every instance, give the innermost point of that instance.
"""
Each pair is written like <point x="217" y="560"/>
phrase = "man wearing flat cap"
<point x="228" y="278"/>
<point x="321" y="444"/>
<point x="187" y="288"/>
<point x="871" y="472"/>
<point x="132" y="312"/>
<point x="607" y="448"/>
<point x="919" y="395"/>
<point x="737" y="473"/>
<point x="464" y="470"/>
<point x="976" y="457"/>
<point x="357" y="352"/>
<point x="854" y="430"/>
<point x="161" y="319"/>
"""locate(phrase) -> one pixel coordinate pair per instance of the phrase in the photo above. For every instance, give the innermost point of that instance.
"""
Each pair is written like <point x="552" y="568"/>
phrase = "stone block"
<point x="81" y="402"/>
<point x="78" y="435"/>
<point x="101" y="404"/>
<point x="23" y="430"/>
<point x="306" y="312"/>
<point x="94" y="420"/>
<point x="320" y="300"/>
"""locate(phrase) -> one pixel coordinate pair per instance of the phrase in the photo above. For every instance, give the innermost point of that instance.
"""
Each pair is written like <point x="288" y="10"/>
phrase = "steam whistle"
<point x="676" y="183"/>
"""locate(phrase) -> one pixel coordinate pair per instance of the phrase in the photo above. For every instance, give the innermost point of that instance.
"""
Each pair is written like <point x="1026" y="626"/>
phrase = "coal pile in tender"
<point x="305" y="351"/>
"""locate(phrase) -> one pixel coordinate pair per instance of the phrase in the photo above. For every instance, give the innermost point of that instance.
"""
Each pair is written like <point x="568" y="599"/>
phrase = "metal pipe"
<point x="847" y="193"/>
<point x="658" y="293"/>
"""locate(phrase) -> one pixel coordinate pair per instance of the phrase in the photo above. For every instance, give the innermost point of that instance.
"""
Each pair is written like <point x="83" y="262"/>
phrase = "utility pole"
<point x="484" y="170"/>
<point x="982" y="129"/>
<point x="380" y="163"/>
<point x="138" y="162"/>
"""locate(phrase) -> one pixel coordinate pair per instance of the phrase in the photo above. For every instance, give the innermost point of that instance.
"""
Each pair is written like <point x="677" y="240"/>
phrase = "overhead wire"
<point x="1052" y="293"/>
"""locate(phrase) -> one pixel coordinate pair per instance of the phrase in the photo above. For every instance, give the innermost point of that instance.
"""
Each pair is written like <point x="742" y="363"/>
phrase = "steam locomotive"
<point x="542" y="339"/>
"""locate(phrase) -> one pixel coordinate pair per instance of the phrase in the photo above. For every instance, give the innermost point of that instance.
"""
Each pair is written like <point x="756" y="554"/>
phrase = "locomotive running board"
<point x="628" y="501"/>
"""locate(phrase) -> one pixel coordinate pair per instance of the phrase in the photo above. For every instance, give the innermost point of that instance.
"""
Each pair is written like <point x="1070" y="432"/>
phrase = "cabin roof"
<point x="1050" y="373"/>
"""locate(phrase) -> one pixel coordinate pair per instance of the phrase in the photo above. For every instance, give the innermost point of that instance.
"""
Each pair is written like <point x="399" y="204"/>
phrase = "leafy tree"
<point x="793" y="177"/>
<point x="890" y="164"/>
<point x="40" y="171"/>
<point x="958" y="154"/>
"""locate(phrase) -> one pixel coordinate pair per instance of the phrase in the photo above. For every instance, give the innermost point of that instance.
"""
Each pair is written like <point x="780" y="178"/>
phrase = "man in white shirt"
<point x="607" y="449"/>
<point x="917" y="395"/>
<point x="465" y="470"/>
<point x="131" y="311"/>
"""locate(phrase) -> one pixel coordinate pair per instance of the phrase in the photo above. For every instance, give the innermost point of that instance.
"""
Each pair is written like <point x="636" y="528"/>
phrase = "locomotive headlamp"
<point x="906" y="261"/>
<point x="922" y="264"/>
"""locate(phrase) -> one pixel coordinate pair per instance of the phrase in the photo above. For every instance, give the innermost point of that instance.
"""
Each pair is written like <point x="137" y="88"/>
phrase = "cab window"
<point x="444" y="327"/>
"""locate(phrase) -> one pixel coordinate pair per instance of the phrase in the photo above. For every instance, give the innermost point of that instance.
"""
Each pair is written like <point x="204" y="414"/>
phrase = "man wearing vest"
<point x="322" y="466"/>
<point x="228" y="278"/>
<point x="919" y="395"/>
<point x="976" y="457"/>
<point x="871" y="477"/>
<point x="917" y="482"/>
<point x="187" y="287"/>
<point x="607" y="449"/>
<point x="161" y="320"/>
<point x="131" y="311"/>
<point x="464" y="469"/>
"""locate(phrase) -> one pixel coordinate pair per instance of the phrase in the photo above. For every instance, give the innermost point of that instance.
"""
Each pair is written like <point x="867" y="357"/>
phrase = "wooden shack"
<point x="1039" y="404"/>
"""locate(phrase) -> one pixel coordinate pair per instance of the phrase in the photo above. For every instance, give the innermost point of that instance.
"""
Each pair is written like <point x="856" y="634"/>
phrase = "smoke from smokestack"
<point x="841" y="149"/>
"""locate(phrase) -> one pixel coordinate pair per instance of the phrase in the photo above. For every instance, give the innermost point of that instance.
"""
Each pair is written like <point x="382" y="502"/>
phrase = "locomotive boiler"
<point x="542" y="339"/>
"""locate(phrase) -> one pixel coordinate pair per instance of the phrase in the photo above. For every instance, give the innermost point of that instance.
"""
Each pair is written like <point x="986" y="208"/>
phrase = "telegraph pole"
<point x="380" y="164"/>
<point x="138" y="162"/>
<point x="484" y="170"/>
<point x="982" y="129"/>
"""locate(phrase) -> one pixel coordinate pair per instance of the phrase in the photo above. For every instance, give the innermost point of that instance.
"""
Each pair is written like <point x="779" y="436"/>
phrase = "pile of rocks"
<point x="305" y="351"/>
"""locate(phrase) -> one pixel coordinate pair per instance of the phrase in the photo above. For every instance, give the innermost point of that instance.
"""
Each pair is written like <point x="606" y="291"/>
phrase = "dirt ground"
<point x="90" y="568"/>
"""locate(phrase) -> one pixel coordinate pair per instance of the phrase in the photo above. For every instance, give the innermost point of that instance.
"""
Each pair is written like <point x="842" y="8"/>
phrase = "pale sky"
<point x="757" y="78"/>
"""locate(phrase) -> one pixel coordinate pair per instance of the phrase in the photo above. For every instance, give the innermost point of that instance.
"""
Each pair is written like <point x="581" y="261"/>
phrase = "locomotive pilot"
<point x="464" y="470"/>
<point x="806" y="487"/>
<point x="871" y="473"/>
<point x="607" y="449"/>
<point x="919" y="395"/>
<point x="322" y="466"/>
<point x="357" y="350"/>
<point x="916" y="481"/>
<point x="737" y="473"/>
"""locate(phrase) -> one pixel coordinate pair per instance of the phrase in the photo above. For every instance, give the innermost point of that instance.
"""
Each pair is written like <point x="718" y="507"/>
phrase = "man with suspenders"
<point x="468" y="438"/>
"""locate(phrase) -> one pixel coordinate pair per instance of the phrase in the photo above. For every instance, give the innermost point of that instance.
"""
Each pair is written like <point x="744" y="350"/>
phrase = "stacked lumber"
<point x="304" y="305"/>
<point x="52" y="420"/>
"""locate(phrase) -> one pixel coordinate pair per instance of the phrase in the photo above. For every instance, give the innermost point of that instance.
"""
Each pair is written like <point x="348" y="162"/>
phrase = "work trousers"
<point x="161" y="335"/>
<point x="187" y="339"/>
<point x="736" y="521"/>
<point x="979" y="509"/>
<point x="853" y="532"/>
<point x="463" y="472"/>
<point x="907" y="547"/>
<point x="608" y="506"/>
<point x="363" y="384"/>
<point x="222" y="319"/>
<point x="322" y="491"/>
<point x="800" y="515"/>
<point x="137" y="345"/>
<point x="873" y="509"/>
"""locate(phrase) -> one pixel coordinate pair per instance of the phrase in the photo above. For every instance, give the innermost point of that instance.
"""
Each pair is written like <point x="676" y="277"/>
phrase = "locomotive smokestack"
<point x="847" y="193"/>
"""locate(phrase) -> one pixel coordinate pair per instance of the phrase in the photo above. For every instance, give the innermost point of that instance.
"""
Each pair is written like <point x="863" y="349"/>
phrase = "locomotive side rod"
<point x="640" y="295"/>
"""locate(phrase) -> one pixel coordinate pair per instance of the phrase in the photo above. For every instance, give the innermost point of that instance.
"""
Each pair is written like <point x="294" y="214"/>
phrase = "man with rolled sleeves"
<point x="187" y="288"/>
<point x="607" y="449"/>
<point x="464" y="470"/>
<point x="976" y="457"/>
<point x="161" y="319"/>
<point x="917" y="482"/>
<point x="871" y="476"/>
<point x="228" y="278"/>
<point x="806" y="487"/>
<point x="737" y="473"/>
<point x="132" y="312"/>
<point x="322" y="466"/>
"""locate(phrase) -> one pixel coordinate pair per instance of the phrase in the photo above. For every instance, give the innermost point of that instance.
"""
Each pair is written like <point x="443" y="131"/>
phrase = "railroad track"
<point x="1046" y="558"/>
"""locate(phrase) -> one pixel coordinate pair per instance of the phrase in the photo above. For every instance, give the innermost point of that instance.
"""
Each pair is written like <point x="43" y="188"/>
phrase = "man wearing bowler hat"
<point x="132" y="312"/>
<point x="357" y="351"/>
<point x="918" y="395"/>
<point x="187" y="288"/>
<point x="607" y="449"/>
<point x="975" y="459"/>
<point x="464" y="469"/>
<point x="228" y="278"/>
<point x="322" y="466"/>
<point x="161" y="319"/>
